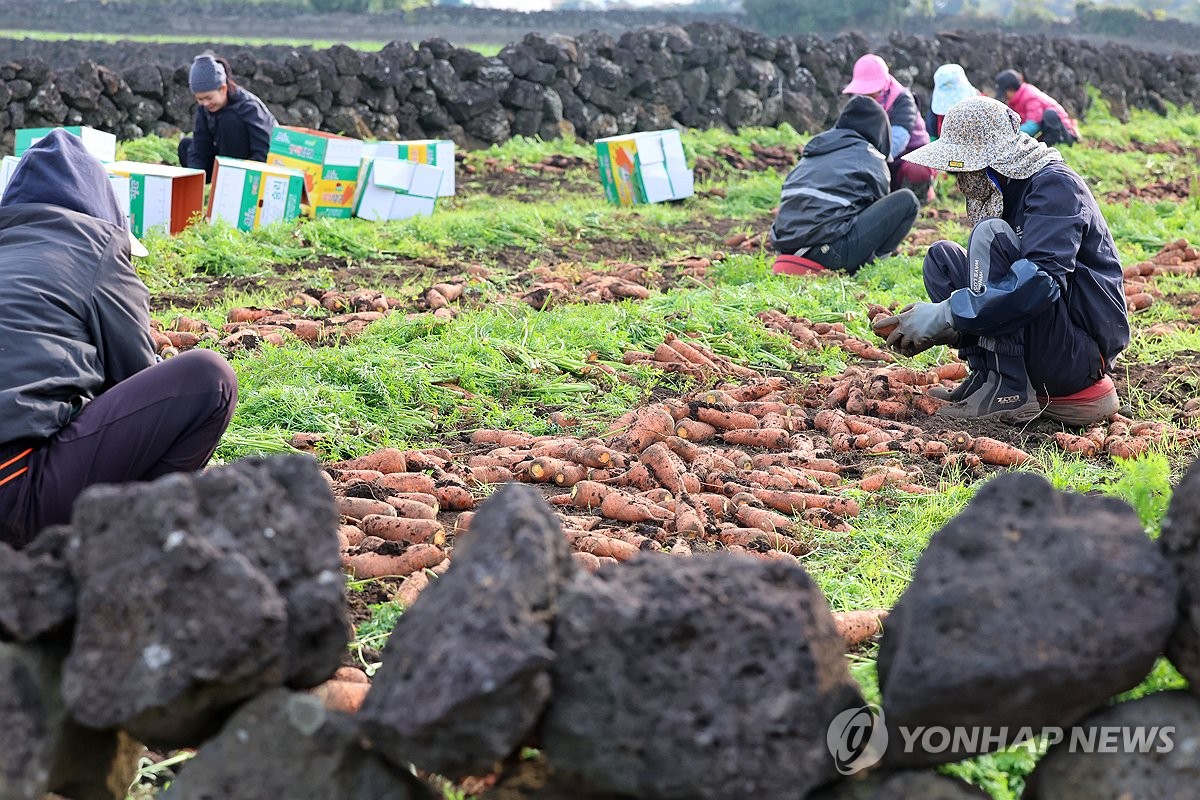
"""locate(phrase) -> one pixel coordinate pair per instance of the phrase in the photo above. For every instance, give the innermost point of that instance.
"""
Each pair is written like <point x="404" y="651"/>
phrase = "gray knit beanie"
<point x="207" y="75"/>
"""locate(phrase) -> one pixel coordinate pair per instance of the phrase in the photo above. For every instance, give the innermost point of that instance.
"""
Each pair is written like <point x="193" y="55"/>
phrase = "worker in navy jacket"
<point x="1035" y="302"/>
<point x="83" y="399"/>
<point x="230" y="121"/>
<point x="836" y="208"/>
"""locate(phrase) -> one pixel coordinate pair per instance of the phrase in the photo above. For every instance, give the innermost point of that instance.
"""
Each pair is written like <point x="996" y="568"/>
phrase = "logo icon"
<point x="857" y="738"/>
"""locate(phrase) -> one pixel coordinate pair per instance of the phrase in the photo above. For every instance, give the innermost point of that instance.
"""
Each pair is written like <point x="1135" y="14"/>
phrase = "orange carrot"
<point x="406" y="482"/>
<point x="453" y="497"/>
<point x="359" y="507"/>
<point x="766" y="438"/>
<point x="588" y="494"/>
<point x="569" y="473"/>
<point x="604" y="546"/>
<point x="367" y="566"/>
<point x="622" y="507"/>
<point x="636" y="477"/>
<point x="1076" y="444"/>
<point x="420" y="497"/>
<point x="350" y="536"/>
<point x="342" y="696"/>
<point x="764" y="519"/>
<point x="399" y="529"/>
<point x="586" y="560"/>
<point x="726" y="420"/>
<point x="694" y="430"/>
<point x="413" y="509"/>
<point x="858" y="627"/>
<point x="594" y="455"/>
<point x="1126" y="446"/>
<point x="666" y="467"/>
<point x="386" y="461"/>
<point x="462" y="523"/>
<point x="354" y="475"/>
<point x="927" y="404"/>
<point x="954" y="371"/>
<point x="410" y="589"/>
<point x="993" y="451"/>
<point x="654" y="424"/>
<point x="795" y="502"/>
<point x="1139" y="301"/>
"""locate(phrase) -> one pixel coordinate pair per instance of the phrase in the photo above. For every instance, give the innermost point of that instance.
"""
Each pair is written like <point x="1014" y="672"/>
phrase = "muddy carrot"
<point x="694" y="430"/>
<point x="586" y="560"/>
<point x="763" y="519"/>
<point x="359" y="507"/>
<point x="604" y="546"/>
<point x="366" y="566"/>
<point x="406" y="482"/>
<point x="859" y="627"/>
<point x="588" y="494"/>
<point x="725" y="420"/>
<point x="411" y="588"/>
<point x="597" y="456"/>
<point x="350" y="536"/>
<point x="486" y="476"/>
<point x="453" y="497"/>
<point x="622" y="507"/>
<point x="1076" y="444"/>
<point x="413" y="509"/>
<point x="1139" y="301"/>
<point x="795" y="502"/>
<point x="653" y="425"/>
<point x="569" y="473"/>
<point x="399" y="529"/>
<point x="666" y="467"/>
<point x="1126" y="446"/>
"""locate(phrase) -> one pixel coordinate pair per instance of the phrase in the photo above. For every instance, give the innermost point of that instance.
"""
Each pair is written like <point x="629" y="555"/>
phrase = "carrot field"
<point x="645" y="368"/>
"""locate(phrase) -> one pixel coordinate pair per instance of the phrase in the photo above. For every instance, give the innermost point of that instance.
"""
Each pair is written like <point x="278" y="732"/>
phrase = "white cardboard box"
<point x="647" y="167"/>
<point x="435" y="152"/>
<point x="101" y="144"/>
<point x="392" y="188"/>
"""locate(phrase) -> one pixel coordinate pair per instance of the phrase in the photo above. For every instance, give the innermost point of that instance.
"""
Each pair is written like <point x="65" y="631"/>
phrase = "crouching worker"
<point x="82" y="400"/>
<point x="1035" y="303"/>
<point x="835" y="210"/>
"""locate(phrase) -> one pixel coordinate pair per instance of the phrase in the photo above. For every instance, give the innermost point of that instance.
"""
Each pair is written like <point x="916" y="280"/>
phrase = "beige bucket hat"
<point x="982" y="132"/>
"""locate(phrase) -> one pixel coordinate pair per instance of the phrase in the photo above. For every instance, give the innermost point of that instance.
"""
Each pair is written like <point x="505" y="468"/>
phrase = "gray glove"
<point x="920" y="326"/>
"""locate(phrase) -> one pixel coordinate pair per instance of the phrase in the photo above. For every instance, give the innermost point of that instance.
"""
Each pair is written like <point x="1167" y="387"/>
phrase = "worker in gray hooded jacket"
<point x="82" y="397"/>
<point x="836" y="209"/>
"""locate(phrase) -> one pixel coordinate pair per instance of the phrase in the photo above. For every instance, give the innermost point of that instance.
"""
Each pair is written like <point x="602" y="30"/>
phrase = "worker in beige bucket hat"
<point x="1035" y="302"/>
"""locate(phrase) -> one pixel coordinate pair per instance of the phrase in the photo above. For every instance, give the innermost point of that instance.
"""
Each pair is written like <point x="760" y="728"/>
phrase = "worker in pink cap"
<point x="873" y="79"/>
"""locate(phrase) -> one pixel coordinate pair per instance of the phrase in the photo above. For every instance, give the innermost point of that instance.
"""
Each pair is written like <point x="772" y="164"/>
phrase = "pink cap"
<point x="870" y="76"/>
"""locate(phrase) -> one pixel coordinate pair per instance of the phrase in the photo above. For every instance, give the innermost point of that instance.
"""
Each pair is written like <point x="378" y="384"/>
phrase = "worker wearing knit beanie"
<point x="230" y="121"/>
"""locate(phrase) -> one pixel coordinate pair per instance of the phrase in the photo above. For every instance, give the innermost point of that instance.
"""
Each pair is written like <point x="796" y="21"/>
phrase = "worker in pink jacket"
<point x="873" y="79"/>
<point x="1042" y="117"/>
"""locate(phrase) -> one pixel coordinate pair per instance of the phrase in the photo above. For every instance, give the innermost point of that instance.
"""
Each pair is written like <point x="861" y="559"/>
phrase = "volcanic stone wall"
<point x="700" y="75"/>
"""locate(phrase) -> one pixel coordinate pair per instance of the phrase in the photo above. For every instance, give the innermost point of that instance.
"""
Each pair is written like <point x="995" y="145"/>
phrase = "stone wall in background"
<point x="596" y="84"/>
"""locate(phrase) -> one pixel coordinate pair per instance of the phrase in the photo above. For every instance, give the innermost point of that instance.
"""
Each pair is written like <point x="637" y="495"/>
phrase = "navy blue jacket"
<point x="74" y="317"/>
<point x="842" y="172"/>
<point x="242" y="129"/>
<point x="1066" y="251"/>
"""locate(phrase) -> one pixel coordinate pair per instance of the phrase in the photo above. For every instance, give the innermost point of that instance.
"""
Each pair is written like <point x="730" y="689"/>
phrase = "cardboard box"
<point x="392" y="188"/>
<point x="329" y="162"/>
<point x="249" y="194"/>
<point x="435" y="152"/>
<point x="100" y="144"/>
<point x="160" y="197"/>
<point x="647" y="167"/>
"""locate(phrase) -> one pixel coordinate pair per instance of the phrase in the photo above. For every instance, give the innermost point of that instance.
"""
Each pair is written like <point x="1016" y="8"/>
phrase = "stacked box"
<point x="329" y="162"/>
<point x="250" y="194"/>
<point x="647" y="167"/>
<point x="160" y="197"/>
<point x="435" y="152"/>
<point x="391" y="188"/>
<point x="99" y="143"/>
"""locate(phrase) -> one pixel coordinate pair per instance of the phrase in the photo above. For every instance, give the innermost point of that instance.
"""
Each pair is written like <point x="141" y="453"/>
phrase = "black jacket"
<point x="242" y="129"/>
<point x="842" y="172"/>
<point x="1066" y="251"/>
<point x="74" y="317"/>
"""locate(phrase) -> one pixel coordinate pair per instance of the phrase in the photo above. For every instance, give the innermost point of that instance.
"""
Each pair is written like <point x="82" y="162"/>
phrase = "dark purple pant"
<point x="167" y="418"/>
<point x="1060" y="357"/>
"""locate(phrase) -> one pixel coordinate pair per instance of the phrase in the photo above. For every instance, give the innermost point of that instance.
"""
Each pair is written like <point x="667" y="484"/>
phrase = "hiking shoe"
<point x="965" y="388"/>
<point x="1005" y="395"/>
<point x="1094" y="404"/>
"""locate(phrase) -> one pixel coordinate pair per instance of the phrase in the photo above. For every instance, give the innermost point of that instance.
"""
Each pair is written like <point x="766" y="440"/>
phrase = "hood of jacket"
<point x="867" y="118"/>
<point x="58" y="170"/>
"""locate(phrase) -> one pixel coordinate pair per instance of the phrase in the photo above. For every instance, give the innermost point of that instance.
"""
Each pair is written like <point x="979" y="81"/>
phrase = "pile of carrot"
<point x="551" y="286"/>
<point x="761" y="159"/>
<point x="1121" y="437"/>
<point x="748" y="241"/>
<point x="689" y="357"/>
<point x="313" y="317"/>
<point x="809" y="335"/>
<point x="1175" y="258"/>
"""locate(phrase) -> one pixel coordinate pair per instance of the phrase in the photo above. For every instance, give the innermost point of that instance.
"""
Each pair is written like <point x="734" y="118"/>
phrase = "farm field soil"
<point x="650" y="374"/>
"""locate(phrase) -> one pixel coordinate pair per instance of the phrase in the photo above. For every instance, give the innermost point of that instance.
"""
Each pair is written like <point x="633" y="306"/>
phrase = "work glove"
<point x="920" y="326"/>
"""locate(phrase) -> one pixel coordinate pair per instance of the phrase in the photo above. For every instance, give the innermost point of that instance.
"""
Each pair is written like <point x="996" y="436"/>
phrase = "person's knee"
<point x="909" y="204"/>
<point x="184" y="150"/>
<point x="207" y="370"/>
<point x="994" y="229"/>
